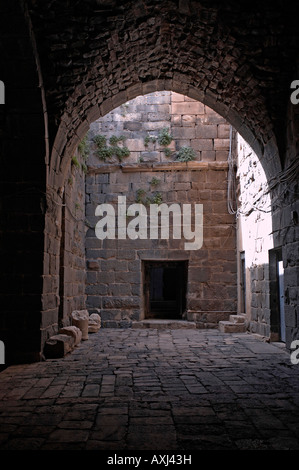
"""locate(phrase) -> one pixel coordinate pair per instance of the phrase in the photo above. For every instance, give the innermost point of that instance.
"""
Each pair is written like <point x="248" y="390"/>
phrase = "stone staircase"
<point x="235" y="324"/>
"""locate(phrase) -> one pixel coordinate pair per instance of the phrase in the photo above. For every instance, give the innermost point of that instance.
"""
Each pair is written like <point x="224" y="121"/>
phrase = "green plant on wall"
<point x="80" y="158"/>
<point x="167" y="152"/>
<point x="185" y="154"/>
<point x="154" y="181"/>
<point x="75" y="162"/>
<point x="83" y="148"/>
<point x="84" y="167"/>
<point x="99" y="140"/>
<point x="83" y="152"/>
<point x="77" y="208"/>
<point x="143" y="198"/>
<point x="103" y="152"/>
<point x="164" y="138"/>
<point x="148" y="139"/>
<point x="140" y="193"/>
<point x="121" y="152"/>
<point x="156" y="199"/>
<point x="116" y="147"/>
<point x="114" y="140"/>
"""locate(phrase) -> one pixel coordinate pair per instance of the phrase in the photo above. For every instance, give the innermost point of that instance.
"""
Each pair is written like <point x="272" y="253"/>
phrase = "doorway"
<point x="242" y="283"/>
<point x="280" y="281"/>
<point x="278" y="328"/>
<point x="165" y="287"/>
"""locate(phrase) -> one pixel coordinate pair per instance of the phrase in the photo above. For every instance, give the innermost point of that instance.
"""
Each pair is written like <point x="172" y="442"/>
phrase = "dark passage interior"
<point x="165" y="289"/>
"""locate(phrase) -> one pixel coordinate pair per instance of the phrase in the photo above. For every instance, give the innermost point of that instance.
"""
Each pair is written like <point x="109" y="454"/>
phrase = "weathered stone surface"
<point x="236" y="65"/>
<point x="72" y="331"/>
<point x="80" y="319"/>
<point x="114" y="409"/>
<point x="231" y="327"/>
<point x="94" y="323"/>
<point x="117" y="288"/>
<point x="164" y="324"/>
<point x="58" y="346"/>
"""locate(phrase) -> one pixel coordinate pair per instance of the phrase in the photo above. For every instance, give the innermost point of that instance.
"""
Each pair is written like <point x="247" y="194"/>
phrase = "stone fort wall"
<point x="114" y="269"/>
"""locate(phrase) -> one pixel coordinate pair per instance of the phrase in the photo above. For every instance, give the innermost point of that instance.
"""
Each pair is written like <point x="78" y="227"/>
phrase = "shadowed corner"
<point x="2" y="92"/>
<point x="2" y="354"/>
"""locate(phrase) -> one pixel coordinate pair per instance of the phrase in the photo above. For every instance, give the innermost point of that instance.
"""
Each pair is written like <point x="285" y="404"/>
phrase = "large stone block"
<point x="206" y="132"/>
<point x="221" y="155"/>
<point x="188" y="120"/>
<point x="158" y="99"/>
<point x="133" y="126"/>
<point x="72" y="331"/>
<point x="150" y="156"/>
<point x="58" y="346"/>
<point x="80" y="319"/>
<point x="188" y="107"/>
<point x="202" y="144"/>
<point x="208" y="155"/>
<point x="120" y="302"/>
<point x="94" y="323"/>
<point x="176" y="120"/>
<point x="93" y="265"/>
<point x="135" y="145"/>
<point x="183" y="133"/>
<point x="223" y="131"/>
<point x="177" y="97"/>
<point x="221" y="144"/>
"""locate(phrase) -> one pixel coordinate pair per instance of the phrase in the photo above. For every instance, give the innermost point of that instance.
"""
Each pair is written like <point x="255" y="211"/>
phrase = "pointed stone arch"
<point x="63" y="148"/>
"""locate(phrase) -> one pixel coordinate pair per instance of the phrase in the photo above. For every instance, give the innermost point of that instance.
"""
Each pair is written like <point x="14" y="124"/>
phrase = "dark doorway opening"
<point x="278" y="329"/>
<point x="165" y="289"/>
<point x="242" y="282"/>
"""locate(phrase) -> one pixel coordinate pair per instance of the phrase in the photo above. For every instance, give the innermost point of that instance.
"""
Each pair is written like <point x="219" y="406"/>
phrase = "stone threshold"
<point x="163" y="324"/>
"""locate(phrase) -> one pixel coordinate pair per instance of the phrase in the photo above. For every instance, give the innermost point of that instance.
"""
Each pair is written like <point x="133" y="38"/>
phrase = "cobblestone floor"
<point x="171" y="390"/>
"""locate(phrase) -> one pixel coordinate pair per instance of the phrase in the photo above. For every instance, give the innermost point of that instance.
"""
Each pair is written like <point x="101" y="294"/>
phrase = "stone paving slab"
<point x="154" y="389"/>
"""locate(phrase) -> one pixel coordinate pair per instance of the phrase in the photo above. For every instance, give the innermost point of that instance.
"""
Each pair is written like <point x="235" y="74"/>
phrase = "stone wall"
<point x="63" y="85"/>
<point x="286" y="222"/>
<point x="192" y="124"/>
<point x="72" y="260"/>
<point x="64" y="255"/>
<point x="222" y="50"/>
<point x="255" y="237"/>
<point x="114" y="267"/>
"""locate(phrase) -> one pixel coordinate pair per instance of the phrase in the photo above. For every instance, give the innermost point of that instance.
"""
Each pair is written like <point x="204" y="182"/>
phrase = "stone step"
<point x="208" y="318"/>
<point x="232" y="327"/>
<point x="163" y="324"/>
<point x="237" y="318"/>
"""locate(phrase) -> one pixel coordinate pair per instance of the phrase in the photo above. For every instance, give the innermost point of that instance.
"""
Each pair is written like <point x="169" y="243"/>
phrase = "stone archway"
<point x="267" y="156"/>
<point x="234" y="57"/>
<point x="259" y="153"/>
<point x="155" y="128"/>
